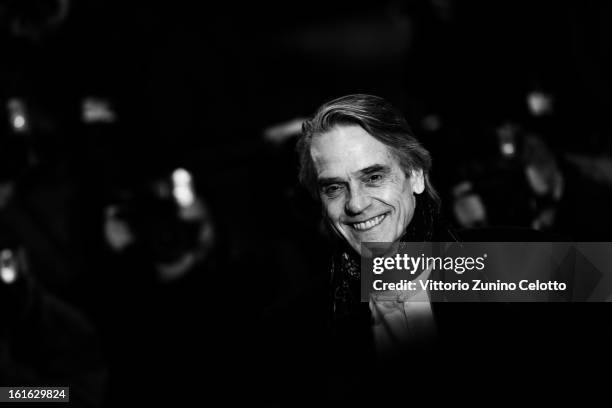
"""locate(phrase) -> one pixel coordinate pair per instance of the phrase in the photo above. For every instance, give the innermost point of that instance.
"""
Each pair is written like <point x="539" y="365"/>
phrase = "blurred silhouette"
<point x="43" y="340"/>
<point x="527" y="184"/>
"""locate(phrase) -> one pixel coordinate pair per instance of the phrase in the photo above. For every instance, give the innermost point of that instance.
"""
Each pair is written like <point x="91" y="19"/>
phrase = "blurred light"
<point x="196" y="211"/>
<point x="117" y="232"/>
<point x="19" y="122"/>
<point x="17" y="115"/>
<point x="462" y="189"/>
<point x="181" y="177"/>
<point x="470" y="211"/>
<point x="97" y="110"/>
<point x="537" y="180"/>
<point x="507" y="149"/>
<point x="8" y="269"/>
<point x="183" y="188"/>
<point x="506" y="134"/>
<point x="539" y="103"/>
<point x="545" y="220"/>
<point x="280" y="132"/>
<point x="184" y="196"/>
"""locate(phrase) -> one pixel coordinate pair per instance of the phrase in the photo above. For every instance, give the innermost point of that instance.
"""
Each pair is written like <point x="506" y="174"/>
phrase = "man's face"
<point x="366" y="195"/>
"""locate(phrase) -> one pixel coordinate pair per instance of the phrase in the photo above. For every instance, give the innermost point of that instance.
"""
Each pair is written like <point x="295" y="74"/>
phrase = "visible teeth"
<point x="361" y="226"/>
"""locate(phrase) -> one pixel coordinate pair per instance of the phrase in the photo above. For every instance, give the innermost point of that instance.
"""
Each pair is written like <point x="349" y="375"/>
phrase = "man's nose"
<point x="357" y="202"/>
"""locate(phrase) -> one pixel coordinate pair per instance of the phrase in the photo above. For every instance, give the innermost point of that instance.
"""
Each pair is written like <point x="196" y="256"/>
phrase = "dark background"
<point x="204" y="88"/>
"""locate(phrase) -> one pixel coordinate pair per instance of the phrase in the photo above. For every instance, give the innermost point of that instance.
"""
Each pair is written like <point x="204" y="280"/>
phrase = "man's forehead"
<point x="346" y="150"/>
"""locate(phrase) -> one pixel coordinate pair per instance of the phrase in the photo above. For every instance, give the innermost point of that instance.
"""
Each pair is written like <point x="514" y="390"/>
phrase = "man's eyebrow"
<point x="376" y="168"/>
<point x="325" y="181"/>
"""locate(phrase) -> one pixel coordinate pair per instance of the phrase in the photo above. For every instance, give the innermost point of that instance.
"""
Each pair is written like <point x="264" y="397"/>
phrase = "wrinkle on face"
<point x="366" y="195"/>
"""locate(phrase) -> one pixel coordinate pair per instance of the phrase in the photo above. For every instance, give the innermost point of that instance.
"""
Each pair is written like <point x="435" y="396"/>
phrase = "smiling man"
<point x="366" y="194"/>
<point x="361" y="161"/>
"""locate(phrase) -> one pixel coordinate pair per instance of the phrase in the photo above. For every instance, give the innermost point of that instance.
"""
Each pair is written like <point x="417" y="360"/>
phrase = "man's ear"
<point x="417" y="181"/>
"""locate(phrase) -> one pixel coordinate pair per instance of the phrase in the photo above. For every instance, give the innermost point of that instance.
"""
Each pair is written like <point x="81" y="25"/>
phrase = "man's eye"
<point x="375" y="178"/>
<point x="332" y="190"/>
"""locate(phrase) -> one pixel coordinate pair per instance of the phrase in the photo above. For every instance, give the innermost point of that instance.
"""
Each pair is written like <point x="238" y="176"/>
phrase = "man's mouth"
<point x="368" y="224"/>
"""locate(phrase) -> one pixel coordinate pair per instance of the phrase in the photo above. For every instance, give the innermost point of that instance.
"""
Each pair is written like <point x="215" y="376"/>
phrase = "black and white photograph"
<point x="305" y="203"/>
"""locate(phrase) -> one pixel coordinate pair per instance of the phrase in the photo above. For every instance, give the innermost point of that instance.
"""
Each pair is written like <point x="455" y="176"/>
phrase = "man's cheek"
<point x="328" y="210"/>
